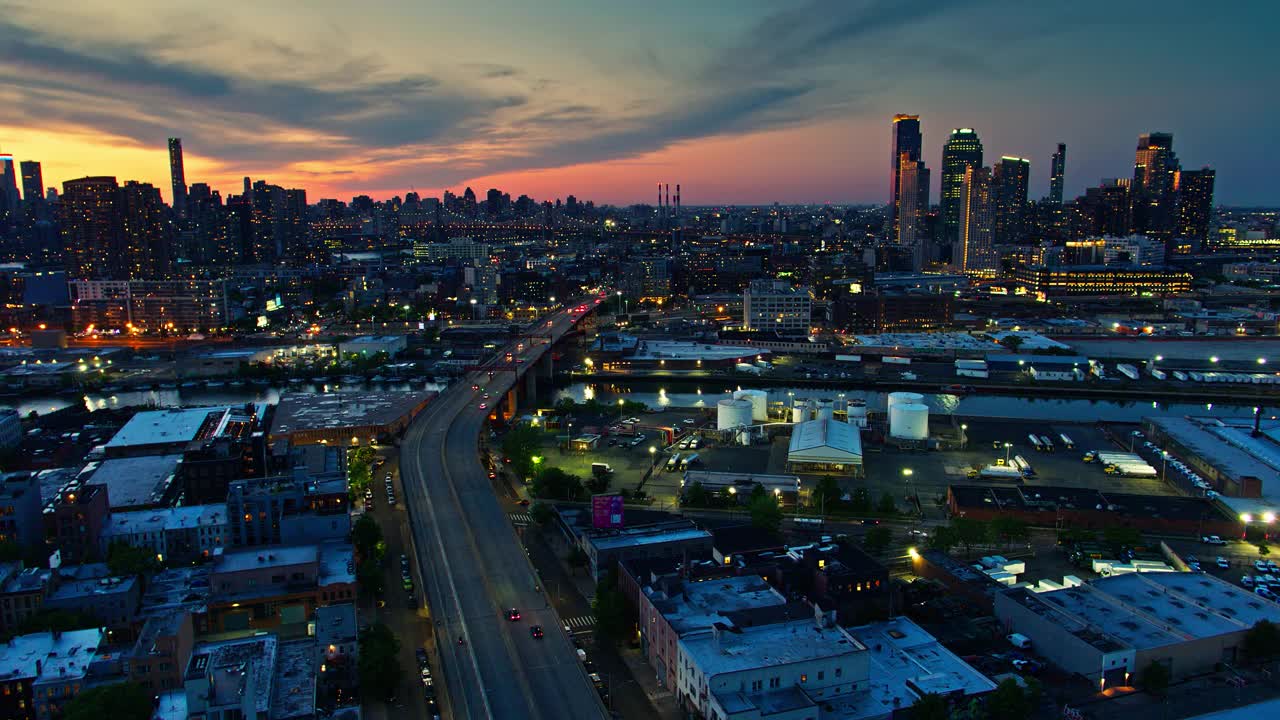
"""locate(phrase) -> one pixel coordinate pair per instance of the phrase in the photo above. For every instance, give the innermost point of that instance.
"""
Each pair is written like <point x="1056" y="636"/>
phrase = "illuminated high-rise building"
<point x="178" y="177"/>
<point x="1195" y="203"/>
<point x="1009" y="180"/>
<point x="90" y="214"/>
<point x="963" y="150"/>
<point x="32" y="182"/>
<point x="1057" y="171"/>
<point x="973" y="252"/>
<point x="144" y="234"/>
<point x="1153" y="195"/>
<point x="8" y="186"/>
<point x="910" y="228"/>
<point x="906" y="140"/>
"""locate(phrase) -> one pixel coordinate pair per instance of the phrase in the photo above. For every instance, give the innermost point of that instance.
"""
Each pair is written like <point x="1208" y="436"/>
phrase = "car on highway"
<point x="1260" y="565"/>
<point x="484" y="405"/>
<point x="421" y="654"/>
<point x="1265" y="592"/>
<point x="1212" y="540"/>
<point x="513" y="614"/>
<point x="536" y="632"/>
<point x="1222" y="563"/>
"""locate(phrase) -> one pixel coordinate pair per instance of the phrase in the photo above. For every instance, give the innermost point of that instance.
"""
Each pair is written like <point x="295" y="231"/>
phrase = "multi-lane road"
<point x="474" y="568"/>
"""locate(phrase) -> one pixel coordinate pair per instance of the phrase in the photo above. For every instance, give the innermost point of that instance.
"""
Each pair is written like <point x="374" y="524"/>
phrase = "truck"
<point x="1066" y="441"/>
<point x="1132" y="470"/>
<point x="1023" y="466"/>
<point x="848" y="358"/>
<point x="689" y="461"/>
<point x="1158" y="374"/>
<point x="1128" y="370"/>
<point x="1179" y="375"/>
<point x="601" y="469"/>
<point x="895" y="360"/>
<point x="1118" y="458"/>
<point x="749" y="368"/>
<point x="998" y="472"/>
<point x="1048" y="444"/>
<point x="1035" y="442"/>
<point x="673" y="462"/>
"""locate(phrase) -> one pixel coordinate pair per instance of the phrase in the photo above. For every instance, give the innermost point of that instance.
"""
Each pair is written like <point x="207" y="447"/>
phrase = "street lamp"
<point x="1164" y="462"/>
<point x="653" y="456"/>
<point x="1007" y="446"/>
<point x="1262" y="361"/>
<point x="1213" y="359"/>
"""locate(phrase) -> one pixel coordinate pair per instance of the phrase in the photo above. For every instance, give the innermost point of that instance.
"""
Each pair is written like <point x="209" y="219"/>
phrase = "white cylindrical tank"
<point x="903" y="397"/>
<point x="909" y="421"/>
<point x="857" y="413"/>
<point x="731" y="413"/>
<point x="799" y="411"/>
<point x="759" y="400"/>
<point x="825" y="410"/>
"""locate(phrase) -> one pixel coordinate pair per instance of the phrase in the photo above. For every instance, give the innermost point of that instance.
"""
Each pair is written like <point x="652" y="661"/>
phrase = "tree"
<point x="554" y="482"/>
<point x="930" y="707"/>
<point x="1122" y="537"/>
<point x="121" y="701"/>
<point x="1009" y="701"/>
<point x="370" y="578"/>
<point x="1155" y="678"/>
<point x="826" y="494"/>
<point x="598" y="483"/>
<point x="887" y="505"/>
<point x="944" y="538"/>
<point x="1008" y="529"/>
<point x="877" y="539"/>
<point x="969" y="532"/>
<point x="366" y="536"/>
<point x="610" y="610"/>
<point x="542" y="513"/>
<point x="521" y="444"/>
<point x="1012" y="342"/>
<point x="565" y="405"/>
<point x="379" y="664"/>
<point x="696" y="495"/>
<point x="1262" y="641"/>
<point x="860" y="500"/>
<point x="765" y="513"/>
<point x="59" y="620"/>
<point x="125" y="559"/>
<point x="577" y="558"/>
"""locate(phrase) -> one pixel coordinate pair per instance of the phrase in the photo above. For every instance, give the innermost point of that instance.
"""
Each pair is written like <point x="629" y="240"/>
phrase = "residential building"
<point x="160" y="655"/>
<point x="172" y="430"/>
<point x="264" y="587"/>
<point x="1195" y="203"/>
<point x="134" y="483"/>
<point x="21" y="521"/>
<point x="962" y="152"/>
<point x="1154" y="191"/>
<point x="1010" y="179"/>
<point x="457" y="248"/>
<point x="606" y="548"/>
<point x="775" y="305"/>
<point x="906" y="139"/>
<point x="288" y="509"/>
<point x="90" y="222"/>
<point x="1057" y="171"/>
<point x="22" y="593"/>
<point x="32" y="183"/>
<point x="1101" y="280"/>
<point x="178" y="177"/>
<point x="44" y="671"/>
<point x="111" y="601"/>
<point x="180" y="534"/>
<point x="189" y="305"/>
<point x="337" y="652"/>
<point x="974" y="254"/>
<point x="74" y="521"/>
<point x="875" y="310"/>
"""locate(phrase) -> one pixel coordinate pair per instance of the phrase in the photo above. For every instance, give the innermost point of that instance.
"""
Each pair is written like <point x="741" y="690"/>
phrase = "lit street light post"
<point x="1007" y="447"/>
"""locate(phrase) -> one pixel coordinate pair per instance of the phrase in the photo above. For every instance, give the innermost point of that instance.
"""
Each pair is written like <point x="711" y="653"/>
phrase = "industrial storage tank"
<point x="857" y="411"/>
<point x="909" y="421"/>
<point x="759" y="400"/>
<point x="732" y="413"/>
<point x="825" y="411"/>
<point x="799" y="411"/>
<point x="903" y="397"/>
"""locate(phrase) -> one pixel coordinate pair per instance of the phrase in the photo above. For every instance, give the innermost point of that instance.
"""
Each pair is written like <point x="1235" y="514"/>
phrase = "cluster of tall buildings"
<point x="986" y="206"/>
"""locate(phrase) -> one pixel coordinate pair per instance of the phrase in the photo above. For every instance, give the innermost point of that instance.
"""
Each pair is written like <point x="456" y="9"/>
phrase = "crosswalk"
<point x="521" y="518"/>
<point x="581" y="623"/>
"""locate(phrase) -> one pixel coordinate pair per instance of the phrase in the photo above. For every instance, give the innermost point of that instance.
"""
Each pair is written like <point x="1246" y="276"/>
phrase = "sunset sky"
<point x="740" y="101"/>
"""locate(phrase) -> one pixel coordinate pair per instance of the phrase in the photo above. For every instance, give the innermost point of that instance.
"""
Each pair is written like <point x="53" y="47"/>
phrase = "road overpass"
<point x="474" y="567"/>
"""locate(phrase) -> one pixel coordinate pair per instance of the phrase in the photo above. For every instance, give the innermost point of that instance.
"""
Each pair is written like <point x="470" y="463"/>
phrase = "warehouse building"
<point x="825" y="446"/>
<point x="1110" y="628"/>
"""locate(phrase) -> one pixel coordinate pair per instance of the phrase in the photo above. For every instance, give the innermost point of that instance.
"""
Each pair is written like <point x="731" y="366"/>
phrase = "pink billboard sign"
<point x="606" y="511"/>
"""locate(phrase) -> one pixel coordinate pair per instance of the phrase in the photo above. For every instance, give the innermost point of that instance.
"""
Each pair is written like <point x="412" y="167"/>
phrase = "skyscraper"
<point x="8" y="186"/>
<point x="91" y="228"/>
<point x="178" y="177"/>
<point x="1152" y="194"/>
<point x="906" y="139"/>
<point x="32" y="182"/>
<point x="973" y="253"/>
<point x="963" y="150"/>
<point x="1056" y="172"/>
<point x="144" y="234"/>
<point x="1009" y="180"/>
<point x="1195" y="203"/>
<point x="908" y="209"/>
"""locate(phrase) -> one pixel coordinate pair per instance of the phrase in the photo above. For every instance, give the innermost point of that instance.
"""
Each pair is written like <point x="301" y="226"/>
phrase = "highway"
<point x="474" y="568"/>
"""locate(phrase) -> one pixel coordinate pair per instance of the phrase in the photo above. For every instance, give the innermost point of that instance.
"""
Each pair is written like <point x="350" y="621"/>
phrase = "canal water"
<point x="994" y="406"/>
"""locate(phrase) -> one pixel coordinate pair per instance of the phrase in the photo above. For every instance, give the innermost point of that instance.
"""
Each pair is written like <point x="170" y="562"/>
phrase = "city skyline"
<point x="621" y="98"/>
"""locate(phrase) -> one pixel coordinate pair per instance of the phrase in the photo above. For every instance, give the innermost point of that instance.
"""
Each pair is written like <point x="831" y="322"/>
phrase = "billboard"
<point x="606" y="511"/>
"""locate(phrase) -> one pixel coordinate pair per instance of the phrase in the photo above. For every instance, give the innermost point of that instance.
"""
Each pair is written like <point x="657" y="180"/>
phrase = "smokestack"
<point x="659" y="197"/>
<point x="668" y="196"/>
<point x="677" y="198"/>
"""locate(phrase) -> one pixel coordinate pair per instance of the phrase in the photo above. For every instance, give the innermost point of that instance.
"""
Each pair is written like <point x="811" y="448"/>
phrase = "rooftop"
<point x="328" y="411"/>
<point x="170" y="518"/>
<point x="335" y="623"/>
<point x="1228" y="444"/>
<point x="1049" y="498"/>
<point x="674" y="350"/>
<point x="170" y="426"/>
<point x="135" y="481"/>
<point x="265" y="557"/>
<point x="185" y="589"/>
<point x="762" y="646"/>
<point x="906" y="662"/>
<point x="699" y="605"/>
<point x="825" y="441"/>
<point x="171" y="705"/>
<point x="84" y="588"/>
<point x="651" y="535"/>
<point x="295" y="680"/>
<point x="62" y="657"/>
<point x="230" y="664"/>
